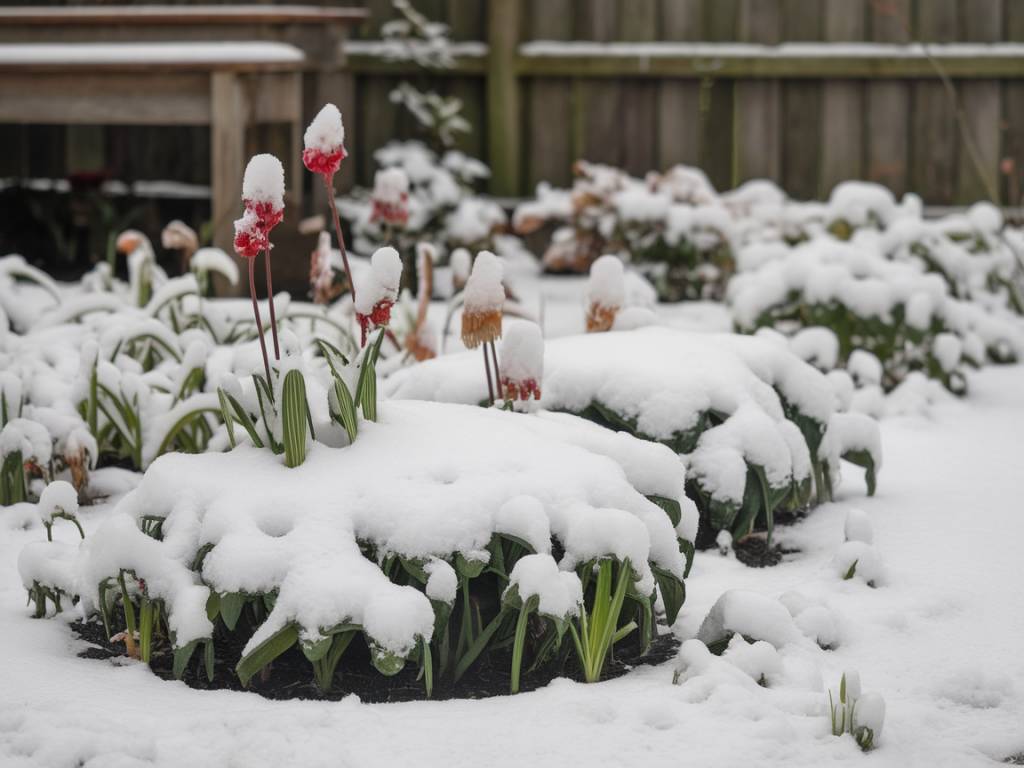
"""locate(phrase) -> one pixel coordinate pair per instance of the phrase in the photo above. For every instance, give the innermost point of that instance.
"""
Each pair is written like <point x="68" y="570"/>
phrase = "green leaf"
<point x="209" y="658"/>
<point x="673" y="593"/>
<point x="671" y="507"/>
<point x="266" y="652"/>
<point x="346" y="409"/>
<point x="231" y="604"/>
<point x="182" y="656"/>
<point x="293" y="415"/>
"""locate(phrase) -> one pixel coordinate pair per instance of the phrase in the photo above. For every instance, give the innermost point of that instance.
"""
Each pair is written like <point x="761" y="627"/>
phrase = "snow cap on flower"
<point x="178" y="235"/>
<point x="390" y="196"/>
<point x="461" y="263"/>
<point x="263" y="190"/>
<point x="264" y="181"/>
<point x="59" y="496"/>
<point x="325" y="142"/>
<point x="379" y="293"/>
<point x="483" y="299"/>
<point x="606" y="292"/>
<point x="522" y="361"/>
<point x="250" y="237"/>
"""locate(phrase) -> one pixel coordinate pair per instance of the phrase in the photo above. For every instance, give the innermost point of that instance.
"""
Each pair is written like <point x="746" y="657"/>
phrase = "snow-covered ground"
<point x="939" y="639"/>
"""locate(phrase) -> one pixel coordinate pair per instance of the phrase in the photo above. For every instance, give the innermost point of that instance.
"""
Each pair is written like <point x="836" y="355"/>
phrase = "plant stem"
<point x="487" y="368"/>
<point x="270" y="298"/>
<point x="329" y="183"/>
<point x="256" y="313"/>
<point x="497" y="371"/>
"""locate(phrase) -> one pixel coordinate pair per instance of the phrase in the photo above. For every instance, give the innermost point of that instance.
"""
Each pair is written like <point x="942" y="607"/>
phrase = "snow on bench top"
<point x="150" y="53"/>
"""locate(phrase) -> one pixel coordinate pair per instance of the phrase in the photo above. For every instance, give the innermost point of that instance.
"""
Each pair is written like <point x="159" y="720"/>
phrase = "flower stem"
<point x="270" y="298"/>
<point x="256" y="313"/>
<point x="487" y="368"/>
<point x="497" y="371"/>
<point x="329" y="183"/>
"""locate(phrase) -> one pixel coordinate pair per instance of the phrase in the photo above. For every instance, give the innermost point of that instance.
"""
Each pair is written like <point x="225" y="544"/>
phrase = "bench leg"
<point x="227" y="159"/>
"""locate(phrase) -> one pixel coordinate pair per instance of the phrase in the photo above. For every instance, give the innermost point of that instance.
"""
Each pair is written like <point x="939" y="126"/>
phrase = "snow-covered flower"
<point x="391" y="197"/>
<point x="484" y="298"/>
<point x="379" y="293"/>
<point x="325" y="142"/>
<point x="606" y="293"/>
<point x="178" y="235"/>
<point x="250" y="237"/>
<point x="321" y="275"/>
<point x="461" y="262"/>
<point x="263" y="190"/>
<point x="522" y="361"/>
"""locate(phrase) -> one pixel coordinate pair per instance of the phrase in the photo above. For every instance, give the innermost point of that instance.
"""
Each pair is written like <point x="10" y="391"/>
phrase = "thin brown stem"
<point x="487" y="368"/>
<point x="270" y="298"/>
<point x="329" y="184"/>
<point x="256" y="314"/>
<point x="497" y="371"/>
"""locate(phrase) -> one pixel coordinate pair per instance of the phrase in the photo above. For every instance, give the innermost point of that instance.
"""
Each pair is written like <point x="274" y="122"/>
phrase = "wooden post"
<point x="227" y="147"/>
<point x="503" y="117"/>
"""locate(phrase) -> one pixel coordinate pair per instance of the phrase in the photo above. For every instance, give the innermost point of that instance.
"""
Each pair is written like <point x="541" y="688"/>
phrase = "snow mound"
<point x="750" y="614"/>
<point x="424" y="484"/>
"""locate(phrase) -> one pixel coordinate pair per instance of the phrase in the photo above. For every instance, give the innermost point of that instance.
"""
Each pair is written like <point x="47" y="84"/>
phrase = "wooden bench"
<point x="226" y="67"/>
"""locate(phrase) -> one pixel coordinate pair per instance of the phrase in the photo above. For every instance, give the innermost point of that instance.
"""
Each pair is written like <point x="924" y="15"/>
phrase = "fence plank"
<point x="466" y="19"/>
<point x="842" y="116"/>
<point x="549" y="138"/>
<point x="758" y="109"/>
<point x="981" y="21"/>
<point x="503" y="115"/>
<point x="638" y="20"/>
<point x="933" y="151"/>
<point x="679" y="113"/>
<point x="888" y="103"/>
<point x="937" y="21"/>
<point x="801" y="148"/>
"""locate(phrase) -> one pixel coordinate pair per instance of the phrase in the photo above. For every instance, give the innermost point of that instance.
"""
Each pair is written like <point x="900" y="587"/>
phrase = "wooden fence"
<point x="741" y="88"/>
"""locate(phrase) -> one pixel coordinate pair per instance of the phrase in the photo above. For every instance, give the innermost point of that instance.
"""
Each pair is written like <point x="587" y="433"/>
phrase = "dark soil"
<point x="291" y="676"/>
<point x="753" y="551"/>
<point x="1017" y="759"/>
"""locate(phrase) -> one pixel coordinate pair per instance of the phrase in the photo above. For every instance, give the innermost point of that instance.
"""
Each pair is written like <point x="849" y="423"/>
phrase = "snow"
<point x="858" y="526"/>
<point x="326" y="133"/>
<point x="390" y="185"/>
<point x="263" y="181"/>
<point x="939" y="644"/>
<point x="750" y="614"/>
<point x="606" y="286"/>
<point x="58" y="497"/>
<point x="484" y="291"/>
<point x="207" y="260"/>
<point x="559" y="593"/>
<point x="383" y="281"/>
<point x="220" y="52"/>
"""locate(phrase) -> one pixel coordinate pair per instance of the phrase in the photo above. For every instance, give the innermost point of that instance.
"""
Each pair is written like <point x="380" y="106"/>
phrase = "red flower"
<point x="324" y="163"/>
<point x="392" y="213"/>
<point x="250" y="237"/>
<point x="267" y="216"/>
<point x="380" y="315"/>
<point x="520" y="390"/>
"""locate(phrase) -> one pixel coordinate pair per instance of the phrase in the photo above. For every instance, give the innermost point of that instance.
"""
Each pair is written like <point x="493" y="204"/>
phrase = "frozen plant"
<point x="522" y="360"/>
<point x="373" y="306"/>
<point x="324" y="149"/>
<point x="606" y="293"/>
<point x="390" y="197"/>
<point x="484" y="298"/>
<point x="862" y="716"/>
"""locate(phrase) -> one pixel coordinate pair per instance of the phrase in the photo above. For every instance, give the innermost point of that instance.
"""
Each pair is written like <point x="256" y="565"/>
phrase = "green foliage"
<point x="598" y="623"/>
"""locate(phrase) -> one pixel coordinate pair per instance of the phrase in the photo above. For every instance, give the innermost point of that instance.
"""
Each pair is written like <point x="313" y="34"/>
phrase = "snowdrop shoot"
<point x="483" y="300"/>
<point x="324" y="150"/>
<point x="373" y="306"/>
<point x="522" y="361"/>
<point x="606" y="293"/>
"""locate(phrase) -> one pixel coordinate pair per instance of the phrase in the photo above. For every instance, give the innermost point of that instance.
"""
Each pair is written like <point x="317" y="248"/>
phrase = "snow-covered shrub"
<point x="862" y="716"/>
<point x="258" y="551"/>
<point x="893" y="309"/>
<point x="751" y="615"/>
<point x="671" y="225"/>
<point x="748" y="417"/>
<point x="441" y="205"/>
